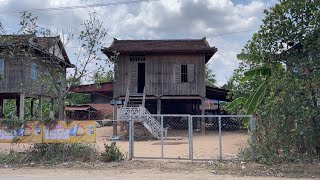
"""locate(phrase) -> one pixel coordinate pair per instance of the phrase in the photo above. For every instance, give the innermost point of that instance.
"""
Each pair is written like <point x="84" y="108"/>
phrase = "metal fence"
<point x="192" y="137"/>
<point x="172" y="136"/>
<point x="174" y="141"/>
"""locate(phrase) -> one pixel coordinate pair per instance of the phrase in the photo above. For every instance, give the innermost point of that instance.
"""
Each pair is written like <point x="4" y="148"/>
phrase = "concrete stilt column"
<point x="158" y="106"/>
<point x="32" y="107"/>
<point x="40" y="107"/>
<point x="1" y="108"/>
<point x="21" y="105"/>
<point x="115" y="125"/>
<point x="203" y="127"/>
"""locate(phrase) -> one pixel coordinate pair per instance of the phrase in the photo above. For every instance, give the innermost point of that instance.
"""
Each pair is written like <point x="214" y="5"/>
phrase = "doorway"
<point x="141" y="77"/>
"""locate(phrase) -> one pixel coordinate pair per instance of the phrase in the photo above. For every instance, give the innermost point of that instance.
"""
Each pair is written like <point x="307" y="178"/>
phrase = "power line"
<point x="236" y="32"/>
<point x="78" y="7"/>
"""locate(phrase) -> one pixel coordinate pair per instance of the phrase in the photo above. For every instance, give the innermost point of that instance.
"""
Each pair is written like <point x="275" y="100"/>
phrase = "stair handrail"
<point x="152" y="122"/>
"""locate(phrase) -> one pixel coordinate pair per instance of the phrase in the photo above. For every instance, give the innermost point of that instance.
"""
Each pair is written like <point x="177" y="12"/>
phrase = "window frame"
<point x="184" y="73"/>
<point x="34" y="71"/>
<point x="137" y="58"/>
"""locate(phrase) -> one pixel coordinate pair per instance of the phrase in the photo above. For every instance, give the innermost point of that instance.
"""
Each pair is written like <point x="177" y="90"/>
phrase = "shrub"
<point x="112" y="153"/>
<point x="64" y="152"/>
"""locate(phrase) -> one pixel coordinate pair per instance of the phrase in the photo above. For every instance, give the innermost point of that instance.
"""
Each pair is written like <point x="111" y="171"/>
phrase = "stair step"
<point x="136" y="95"/>
<point x="148" y="121"/>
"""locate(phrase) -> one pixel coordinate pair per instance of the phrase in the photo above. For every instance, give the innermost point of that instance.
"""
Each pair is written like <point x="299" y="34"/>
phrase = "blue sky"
<point x="218" y="20"/>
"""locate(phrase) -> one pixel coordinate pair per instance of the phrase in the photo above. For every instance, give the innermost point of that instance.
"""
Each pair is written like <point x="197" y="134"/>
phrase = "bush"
<point x="64" y="152"/>
<point x="112" y="153"/>
<point x="59" y="153"/>
<point x="52" y="153"/>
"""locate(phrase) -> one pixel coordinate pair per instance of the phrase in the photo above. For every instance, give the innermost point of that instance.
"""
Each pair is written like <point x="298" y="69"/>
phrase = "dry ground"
<point x="162" y="170"/>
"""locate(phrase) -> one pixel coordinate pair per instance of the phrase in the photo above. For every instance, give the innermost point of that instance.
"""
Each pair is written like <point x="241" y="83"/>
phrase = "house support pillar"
<point x="40" y="107"/>
<point x="115" y="118"/>
<point x="203" y="123"/>
<point x="17" y="106"/>
<point x="21" y="105"/>
<point x="32" y="107"/>
<point x="1" y="108"/>
<point x="158" y="106"/>
<point x="51" y="115"/>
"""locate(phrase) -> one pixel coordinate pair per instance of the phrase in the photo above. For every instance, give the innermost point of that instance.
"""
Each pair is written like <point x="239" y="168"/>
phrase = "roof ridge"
<point x="160" y="39"/>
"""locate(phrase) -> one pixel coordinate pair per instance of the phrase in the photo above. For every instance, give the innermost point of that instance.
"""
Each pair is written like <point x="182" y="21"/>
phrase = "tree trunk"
<point x="61" y="108"/>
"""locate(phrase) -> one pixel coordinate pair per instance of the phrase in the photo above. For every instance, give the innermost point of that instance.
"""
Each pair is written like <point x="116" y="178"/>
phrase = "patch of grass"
<point x="14" y="158"/>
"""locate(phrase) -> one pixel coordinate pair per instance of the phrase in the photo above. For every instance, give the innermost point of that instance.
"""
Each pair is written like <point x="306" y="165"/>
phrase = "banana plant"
<point x="249" y="105"/>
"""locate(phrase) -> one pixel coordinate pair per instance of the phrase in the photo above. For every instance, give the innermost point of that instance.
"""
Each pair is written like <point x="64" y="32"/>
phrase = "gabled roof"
<point x="42" y="44"/>
<point x="161" y="46"/>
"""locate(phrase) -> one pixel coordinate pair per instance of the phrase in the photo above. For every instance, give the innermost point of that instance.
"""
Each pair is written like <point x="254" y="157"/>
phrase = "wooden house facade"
<point x="24" y="62"/>
<point x="171" y="73"/>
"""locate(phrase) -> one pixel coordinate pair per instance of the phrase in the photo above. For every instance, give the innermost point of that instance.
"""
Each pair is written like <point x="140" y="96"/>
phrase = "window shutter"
<point x="190" y="72"/>
<point x="177" y="73"/>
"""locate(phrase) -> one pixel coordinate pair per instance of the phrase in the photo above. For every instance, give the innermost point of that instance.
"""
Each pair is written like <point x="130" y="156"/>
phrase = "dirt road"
<point x="143" y="174"/>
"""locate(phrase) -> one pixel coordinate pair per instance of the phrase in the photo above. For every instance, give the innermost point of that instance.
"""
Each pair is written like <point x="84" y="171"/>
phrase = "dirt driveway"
<point x="140" y="175"/>
<point x="118" y="173"/>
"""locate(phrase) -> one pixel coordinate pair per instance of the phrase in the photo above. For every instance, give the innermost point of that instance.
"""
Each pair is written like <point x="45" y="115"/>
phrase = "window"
<point x="33" y="71"/>
<point x="184" y="73"/>
<point x="137" y="58"/>
<point x="1" y="69"/>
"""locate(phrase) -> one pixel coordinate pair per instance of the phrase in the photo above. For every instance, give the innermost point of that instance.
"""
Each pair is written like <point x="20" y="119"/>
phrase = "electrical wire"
<point x="78" y="7"/>
<point x="235" y="32"/>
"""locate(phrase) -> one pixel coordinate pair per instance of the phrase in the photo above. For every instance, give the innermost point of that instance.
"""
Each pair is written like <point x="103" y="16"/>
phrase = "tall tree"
<point x="286" y="100"/>
<point x="101" y="77"/>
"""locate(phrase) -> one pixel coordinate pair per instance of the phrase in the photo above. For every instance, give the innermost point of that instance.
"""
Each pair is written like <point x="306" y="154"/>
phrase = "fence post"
<point x="162" y="131"/>
<point x="220" y="142"/>
<point x="190" y="137"/>
<point x="131" y="136"/>
<point x="253" y="138"/>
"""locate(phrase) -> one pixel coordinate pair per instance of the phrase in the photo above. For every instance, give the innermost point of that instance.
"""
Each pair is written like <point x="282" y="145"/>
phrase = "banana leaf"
<point x="256" y="97"/>
<point x="235" y="103"/>
<point x="261" y="71"/>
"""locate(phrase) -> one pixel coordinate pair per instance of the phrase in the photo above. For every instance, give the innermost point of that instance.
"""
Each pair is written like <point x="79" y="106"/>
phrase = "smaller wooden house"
<point x="25" y="72"/>
<point x="100" y="94"/>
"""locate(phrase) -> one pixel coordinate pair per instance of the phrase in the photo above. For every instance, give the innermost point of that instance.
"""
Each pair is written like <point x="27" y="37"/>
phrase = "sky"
<point x="227" y="24"/>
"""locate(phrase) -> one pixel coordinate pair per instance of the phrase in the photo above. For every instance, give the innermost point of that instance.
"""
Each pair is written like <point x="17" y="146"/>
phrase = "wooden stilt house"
<point x="24" y="72"/>
<point x="169" y="73"/>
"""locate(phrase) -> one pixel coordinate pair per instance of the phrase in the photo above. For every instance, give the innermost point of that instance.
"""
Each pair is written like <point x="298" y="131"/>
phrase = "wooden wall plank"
<point x="160" y="75"/>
